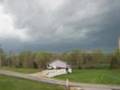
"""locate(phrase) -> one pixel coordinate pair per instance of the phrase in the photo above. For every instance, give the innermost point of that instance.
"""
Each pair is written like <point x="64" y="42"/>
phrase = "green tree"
<point x="115" y="59"/>
<point x="26" y="59"/>
<point x="42" y="59"/>
<point x="2" y="57"/>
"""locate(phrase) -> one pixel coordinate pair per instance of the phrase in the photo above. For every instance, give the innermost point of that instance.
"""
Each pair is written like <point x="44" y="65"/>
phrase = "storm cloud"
<point x="59" y="25"/>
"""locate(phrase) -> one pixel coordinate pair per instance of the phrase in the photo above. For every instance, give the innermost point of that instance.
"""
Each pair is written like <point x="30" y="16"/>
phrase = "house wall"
<point x="53" y="73"/>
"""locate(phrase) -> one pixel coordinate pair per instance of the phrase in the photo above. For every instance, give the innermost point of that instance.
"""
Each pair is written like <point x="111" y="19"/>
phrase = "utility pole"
<point x="119" y="43"/>
<point x="0" y="57"/>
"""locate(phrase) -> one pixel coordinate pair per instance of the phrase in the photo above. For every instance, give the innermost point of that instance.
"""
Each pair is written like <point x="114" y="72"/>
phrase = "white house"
<point x="58" y="67"/>
<point x="58" y="64"/>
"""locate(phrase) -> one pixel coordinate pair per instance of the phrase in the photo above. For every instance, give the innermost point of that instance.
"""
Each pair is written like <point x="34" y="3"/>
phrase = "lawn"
<point x="10" y="83"/>
<point x="21" y="70"/>
<point x="94" y="76"/>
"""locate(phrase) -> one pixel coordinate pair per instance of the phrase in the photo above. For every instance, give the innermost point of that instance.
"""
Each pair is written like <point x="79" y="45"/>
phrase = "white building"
<point x="58" y="64"/>
<point x="58" y="67"/>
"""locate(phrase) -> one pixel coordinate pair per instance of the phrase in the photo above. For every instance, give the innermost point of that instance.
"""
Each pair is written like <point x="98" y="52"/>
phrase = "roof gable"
<point x="58" y="63"/>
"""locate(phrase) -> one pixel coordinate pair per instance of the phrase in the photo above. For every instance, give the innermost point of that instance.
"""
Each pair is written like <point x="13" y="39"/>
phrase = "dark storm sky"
<point x="59" y="25"/>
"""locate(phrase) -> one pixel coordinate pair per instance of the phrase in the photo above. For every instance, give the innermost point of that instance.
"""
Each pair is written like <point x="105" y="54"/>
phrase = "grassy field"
<point x="9" y="83"/>
<point x="21" y="70"/>
<point x="94" y="76"/>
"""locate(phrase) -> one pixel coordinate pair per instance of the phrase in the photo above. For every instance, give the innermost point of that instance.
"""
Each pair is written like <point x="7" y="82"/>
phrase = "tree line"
<point x="76" y="58"/>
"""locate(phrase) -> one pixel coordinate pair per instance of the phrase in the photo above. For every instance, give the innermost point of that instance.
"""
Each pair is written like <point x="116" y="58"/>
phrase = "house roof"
<point x="58" y="63"/>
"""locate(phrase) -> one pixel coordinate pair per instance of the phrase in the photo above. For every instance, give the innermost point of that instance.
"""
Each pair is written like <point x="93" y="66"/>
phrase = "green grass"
<point x="21" y="70"/>
<point x="94" y="76"/>
<point x="10" y="83"/>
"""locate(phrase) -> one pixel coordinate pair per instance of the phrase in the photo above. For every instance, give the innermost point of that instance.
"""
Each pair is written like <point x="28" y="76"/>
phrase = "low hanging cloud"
<point x="7" y="29"/>
<point x="54" y="19"/>
<point x="62" y="24"/>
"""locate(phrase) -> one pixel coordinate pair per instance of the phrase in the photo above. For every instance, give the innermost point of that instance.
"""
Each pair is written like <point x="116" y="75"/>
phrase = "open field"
<point x="94" y="76"/>
<point x="99" y="76"/>
<point x="10" y="83"/>
<point x="21" y="70"/>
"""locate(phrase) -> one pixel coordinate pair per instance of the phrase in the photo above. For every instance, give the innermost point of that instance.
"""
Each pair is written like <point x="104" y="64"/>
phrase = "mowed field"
<point x="10" y="83"/>
<point x="103" y="76"/>
<point x="21" y="70"/>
